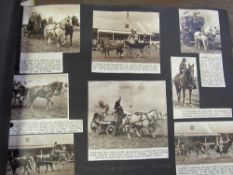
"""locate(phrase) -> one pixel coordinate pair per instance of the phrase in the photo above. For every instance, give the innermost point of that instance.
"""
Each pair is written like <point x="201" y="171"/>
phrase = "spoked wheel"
<point x="111" y="130"/>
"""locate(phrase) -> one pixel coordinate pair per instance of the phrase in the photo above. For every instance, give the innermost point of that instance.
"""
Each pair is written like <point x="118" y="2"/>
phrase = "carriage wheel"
<point x="111" y="130"/>
<point x="137" y="54"/>
<point x="98" y="130"/>
<point x="13" y="99"/>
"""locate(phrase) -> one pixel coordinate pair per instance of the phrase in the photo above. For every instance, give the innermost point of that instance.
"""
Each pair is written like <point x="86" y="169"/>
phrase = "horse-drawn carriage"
<point x="101" y="126"/>
<point x="195" y="33"/>
<point x="140" y="50"/>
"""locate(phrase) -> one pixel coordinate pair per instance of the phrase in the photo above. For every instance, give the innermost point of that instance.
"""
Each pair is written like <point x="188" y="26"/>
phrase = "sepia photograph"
<point x="41" y="154"/>
<point x="203" y="142"/>
<point x="185" y="91"/>
<point x="51" y="28"/>
<point x="121" y="115"/>
<point x="126" y="37"/>
<point x="199" y="31"/>
<point x="42" y="96"/>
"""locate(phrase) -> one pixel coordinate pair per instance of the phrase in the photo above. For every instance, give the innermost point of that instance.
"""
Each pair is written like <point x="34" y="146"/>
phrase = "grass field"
<point x="41" y="45"/>
<point x="58" y="170"/>
<point x="60" y="109"/>
<point x="213" y="157"/>
<point x="187" y="49"/>
<point x="154" y="57"/>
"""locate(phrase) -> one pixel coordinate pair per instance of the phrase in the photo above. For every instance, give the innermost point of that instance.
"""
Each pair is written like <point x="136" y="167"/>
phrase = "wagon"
<point x="101" y="126"/>
<point x="140" y="50"/>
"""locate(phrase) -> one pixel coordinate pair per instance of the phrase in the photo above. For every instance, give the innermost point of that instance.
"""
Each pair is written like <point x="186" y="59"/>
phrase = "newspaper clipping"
<point x="204" y="148"/>
<point x="40" y="98"/>
<point x="31" y="63"/>
<point x="185" y="79"/>
<point x="126" y="42"/>
<point x="199" y="31"/>
<point x="51" y="28"/>
<point x="123" y="124"/>
<point x="41" y="154"/>
<point x="211" y="70"/>
<point x="45" y="127"/>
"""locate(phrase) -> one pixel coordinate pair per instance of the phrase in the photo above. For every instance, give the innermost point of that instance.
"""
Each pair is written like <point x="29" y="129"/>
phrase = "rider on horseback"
<point x="183" y="66"/>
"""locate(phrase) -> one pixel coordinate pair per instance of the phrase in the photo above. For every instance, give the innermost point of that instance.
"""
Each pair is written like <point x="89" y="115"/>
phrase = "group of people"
<point x="191" y="24"/>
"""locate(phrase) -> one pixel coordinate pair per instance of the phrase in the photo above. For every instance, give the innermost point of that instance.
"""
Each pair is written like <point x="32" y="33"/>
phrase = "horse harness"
<point x="141" y="114"/>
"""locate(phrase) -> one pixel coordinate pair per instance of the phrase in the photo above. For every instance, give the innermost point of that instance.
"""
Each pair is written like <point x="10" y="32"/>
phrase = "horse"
<point x="190" y="146"/>
<point x="45" y="91"/>
<point x="16" y="163"/>
<point x="185" y="81"/>
<point x="59" y="30"/>
<point x="141" y="120"/>
<point x="203" y="37"/>
<point x="108" y="45"/>
<point x="42" y="162"/>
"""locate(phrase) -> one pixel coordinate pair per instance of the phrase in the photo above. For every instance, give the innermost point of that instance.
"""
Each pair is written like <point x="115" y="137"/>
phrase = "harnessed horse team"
<point x="56" y="32"/>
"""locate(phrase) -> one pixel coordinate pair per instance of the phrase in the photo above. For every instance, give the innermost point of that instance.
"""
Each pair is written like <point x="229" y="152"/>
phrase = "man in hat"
<point x="133" y="38"/>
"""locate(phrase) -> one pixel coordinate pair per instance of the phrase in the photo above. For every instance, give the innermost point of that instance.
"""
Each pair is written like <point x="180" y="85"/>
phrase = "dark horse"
<point x="42" y="162"/>
<point x="185" y="81"/>
<point x="108" y="45"/>
<point x="46" y="91"/>
<point x="16" y="163"/>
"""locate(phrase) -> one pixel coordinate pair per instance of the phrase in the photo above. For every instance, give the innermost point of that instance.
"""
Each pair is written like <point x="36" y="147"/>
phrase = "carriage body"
<point x="101" y="126"/>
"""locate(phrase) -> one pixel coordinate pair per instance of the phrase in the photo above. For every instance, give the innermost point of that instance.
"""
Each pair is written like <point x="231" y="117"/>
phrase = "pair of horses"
<point x="203" y="37"/>
<point x="185" y="81"/>
<point x="46" y="92"/>
<point x="140" y="120"/>
<point x="59" y="32"/>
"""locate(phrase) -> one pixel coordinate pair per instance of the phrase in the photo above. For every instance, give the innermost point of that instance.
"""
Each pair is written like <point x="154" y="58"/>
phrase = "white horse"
<point x="58" y="31"/>
<point x="202" y="37"/>
<point x="141" y="120"/>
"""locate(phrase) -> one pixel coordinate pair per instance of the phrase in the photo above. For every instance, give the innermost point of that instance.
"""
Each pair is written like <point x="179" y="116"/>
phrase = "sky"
<point x="58" y="12"/>
<point x="41" y="79"/>
<point x="211" y="16"/>
<point x="31" y="141"/>
<point x="137" y="96"/>
<point x="205" y="127"/>
<point x="142" y="22"/>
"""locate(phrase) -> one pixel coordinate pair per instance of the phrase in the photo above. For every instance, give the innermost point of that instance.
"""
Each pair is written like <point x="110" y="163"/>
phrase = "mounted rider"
<point x="183" y="66"/>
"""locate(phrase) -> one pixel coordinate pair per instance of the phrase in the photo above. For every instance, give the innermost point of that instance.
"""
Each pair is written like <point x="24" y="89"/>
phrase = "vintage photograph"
<point x="51" y="28"/>
<point x="184" y="82"/>
<point x="203" y="142"/>
<point x="126" y="37"/>
<point x="41" y="154"/>
<point x="41" y="96"/>
<point x="121" y="115"/>
<point x="199" y="31"/>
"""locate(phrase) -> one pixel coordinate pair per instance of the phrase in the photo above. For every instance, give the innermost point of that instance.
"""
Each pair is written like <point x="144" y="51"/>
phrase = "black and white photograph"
<point x="41" y="96"/>
<point x="124" y="37"/>
<point x="199" y="31"/>
<point x="51" y="28"/>
<point x="203" y="142"/>
<point x="41" y="154"/>
<point x="185" y="91"/>
<point x="121" y="115"/>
